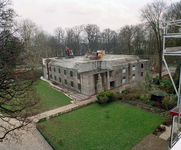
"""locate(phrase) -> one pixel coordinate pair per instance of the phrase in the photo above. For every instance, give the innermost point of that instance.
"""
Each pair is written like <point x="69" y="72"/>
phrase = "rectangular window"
<point x="141" y="65"/>
<point x="133" y="76"/>
<point x="79" y="86"/>
<point x="65" y="82"/>
<point x="72" y="84"/>
<point x="60" y="80"/>
<point x="141" y="74"/>
<point x="133" y="68"/>
<point x="124" y="80"/>
<point x="71" y="73"/>
<point x="58" y="70"/>
<point x="54" y="69"/>
<point x="64" y="72"/>
<point x="55" y="77"/>
<point x="50" y="68"/>
<point x="124" y="70"/>
<point x="78" y="76"/>
<point x="50" y="76"/>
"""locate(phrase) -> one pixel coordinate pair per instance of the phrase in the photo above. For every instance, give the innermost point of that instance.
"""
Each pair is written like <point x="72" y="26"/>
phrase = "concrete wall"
<point x="88" y="84"/>
<point x="128" y="73"/>
<point x="65" y="79"/>
<point x="144" y="65"/>
<point x="45" y="73"/>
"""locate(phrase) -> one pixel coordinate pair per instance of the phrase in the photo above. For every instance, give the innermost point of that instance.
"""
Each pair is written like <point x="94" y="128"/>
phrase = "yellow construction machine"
<point x="94" y="55"/>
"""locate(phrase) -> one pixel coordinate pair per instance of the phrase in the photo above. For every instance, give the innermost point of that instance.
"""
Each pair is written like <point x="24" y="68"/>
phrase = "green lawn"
<point x="115" y="126"/>
<point x="50" y="98"/>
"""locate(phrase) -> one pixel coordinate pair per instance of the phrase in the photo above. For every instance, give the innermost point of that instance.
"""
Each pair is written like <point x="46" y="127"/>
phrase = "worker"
<point x="67" y="51"/>
<point x="97" y="55"/>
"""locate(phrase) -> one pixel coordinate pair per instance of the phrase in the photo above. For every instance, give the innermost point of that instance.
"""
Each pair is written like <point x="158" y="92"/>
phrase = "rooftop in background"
<point x="82" y="64"/>
<point x="104" y="58"/>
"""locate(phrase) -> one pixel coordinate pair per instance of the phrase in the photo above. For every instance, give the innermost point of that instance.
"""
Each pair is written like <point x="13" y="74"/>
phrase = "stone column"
<point x="108" y="83"/>
<point x="105" y="82"/>
<point x="99" y="84"/>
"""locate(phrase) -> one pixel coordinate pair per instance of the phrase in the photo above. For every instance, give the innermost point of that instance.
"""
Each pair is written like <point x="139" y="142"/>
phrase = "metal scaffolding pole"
<point x="174" y="52"/>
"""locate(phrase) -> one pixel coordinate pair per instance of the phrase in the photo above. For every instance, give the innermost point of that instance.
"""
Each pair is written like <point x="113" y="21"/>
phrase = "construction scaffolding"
<point x="175" y="112"/>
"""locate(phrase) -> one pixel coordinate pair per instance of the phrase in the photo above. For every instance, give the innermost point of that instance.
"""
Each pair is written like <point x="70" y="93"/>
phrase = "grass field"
<point x="50" y="98"/>
<point x="115" y="126"/>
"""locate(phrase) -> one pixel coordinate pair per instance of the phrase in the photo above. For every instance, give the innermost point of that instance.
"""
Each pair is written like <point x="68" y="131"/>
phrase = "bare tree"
<point x="53" y="45"/>
<point x="139" y="39"/>
<point x="60" y="35"/>
<point x="18" y="96"/>
<point x="126" y="37"/>
<point x="93" y="34"/>
<point x="107" y="37"/>
<point x="174" y="11"/>
<point x="70" y="37"/>
<point x="152" y="14"/>
<point x="77" y="38"/>
<point x="34" y="38"/>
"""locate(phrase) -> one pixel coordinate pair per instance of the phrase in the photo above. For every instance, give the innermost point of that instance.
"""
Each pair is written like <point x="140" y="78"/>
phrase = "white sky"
<point x="50" y="14"/>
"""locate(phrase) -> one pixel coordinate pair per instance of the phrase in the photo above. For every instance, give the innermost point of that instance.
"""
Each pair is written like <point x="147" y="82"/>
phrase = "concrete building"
<point x="90" y="77"/>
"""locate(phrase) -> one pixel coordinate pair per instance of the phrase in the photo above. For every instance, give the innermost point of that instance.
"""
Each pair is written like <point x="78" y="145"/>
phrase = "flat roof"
<point x="83" y="64"/>
<point x="104" y="58"/>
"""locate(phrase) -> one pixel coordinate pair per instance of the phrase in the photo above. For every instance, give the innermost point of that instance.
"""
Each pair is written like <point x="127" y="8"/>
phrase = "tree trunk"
<point x="48" y="72"/>
<point x="160" y="65"/>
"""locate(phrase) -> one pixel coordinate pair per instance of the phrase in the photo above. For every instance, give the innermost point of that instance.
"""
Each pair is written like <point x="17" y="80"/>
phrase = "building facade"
<point x="90" y="77"/>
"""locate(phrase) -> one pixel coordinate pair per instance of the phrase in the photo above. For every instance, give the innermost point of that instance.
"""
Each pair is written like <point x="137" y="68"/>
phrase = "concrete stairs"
<point x="78" y="97"/>
<point x="86" y="101"/>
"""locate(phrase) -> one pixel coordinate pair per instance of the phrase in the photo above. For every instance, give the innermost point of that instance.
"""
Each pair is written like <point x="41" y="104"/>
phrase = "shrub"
<point x="139" y="88"/>
<point x="169" y="102"/>
<point x="165" y="83"/>
<point x="117" y="96"/>
<point x="167" y="122"/>
<point x="101" y="97"/>
<point x="144" y="97"/>
<point x="161" y="128"/>
<point x="156" y="80"/>
<point x="148" y="81"/>
<point x="103" y="100"/>
<point x="124" y="92"/>
<point x="130" y="96"/>
<point x="110" y="95"/>
<point x="102" y="94"/>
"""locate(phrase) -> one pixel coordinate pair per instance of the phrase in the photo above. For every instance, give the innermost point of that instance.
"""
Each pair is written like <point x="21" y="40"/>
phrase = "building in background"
<point x="90" y="77"/>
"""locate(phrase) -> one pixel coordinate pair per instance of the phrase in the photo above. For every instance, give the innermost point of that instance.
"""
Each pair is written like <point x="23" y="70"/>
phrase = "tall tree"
<point x="93" y="33"/>
<point x="60" y="35"/>
<point x="17" y="95"/>
<point x="34" y="39"/>
<point x="77" y="38"/>
<point x="152" y="14"/>
<point x="126" y="37"/>
<point x="107" y="37"/>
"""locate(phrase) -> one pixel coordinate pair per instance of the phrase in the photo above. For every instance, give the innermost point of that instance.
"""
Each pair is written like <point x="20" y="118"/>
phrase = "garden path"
<point x="151" y="142"/>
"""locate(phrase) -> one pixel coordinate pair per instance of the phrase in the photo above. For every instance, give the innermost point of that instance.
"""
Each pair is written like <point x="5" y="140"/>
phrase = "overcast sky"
<point x="50" y="14"/>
